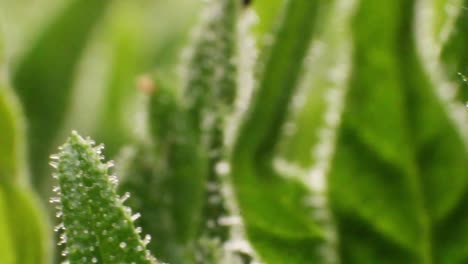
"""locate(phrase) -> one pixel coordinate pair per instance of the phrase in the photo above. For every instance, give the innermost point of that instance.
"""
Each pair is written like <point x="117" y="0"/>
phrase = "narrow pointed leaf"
<point x="173" y="163"/>
<point x="26" y="239"/>
<point x="44" y="75"/>
<point x="98" y="228"/>
<point x="262" y="194"/>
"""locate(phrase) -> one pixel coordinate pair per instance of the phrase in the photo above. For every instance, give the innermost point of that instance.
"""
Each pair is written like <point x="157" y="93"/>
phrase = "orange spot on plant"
<point x="145" y="84"/>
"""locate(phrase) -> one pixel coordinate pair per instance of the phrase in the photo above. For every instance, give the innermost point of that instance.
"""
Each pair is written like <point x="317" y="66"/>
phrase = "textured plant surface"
<point x="246" y="132"/>
<point x="97" y="227"/>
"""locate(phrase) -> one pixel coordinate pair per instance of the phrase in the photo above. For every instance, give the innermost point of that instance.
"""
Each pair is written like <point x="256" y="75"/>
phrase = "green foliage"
<point x="253" y="176"/>
<point x="97" y="226"/>
<point x="344" y="141"/>
<point x="454" y="52"/>
<point x="50" y="64"/>
<point x="419" y="170"/>
<point x="24" y="231"/>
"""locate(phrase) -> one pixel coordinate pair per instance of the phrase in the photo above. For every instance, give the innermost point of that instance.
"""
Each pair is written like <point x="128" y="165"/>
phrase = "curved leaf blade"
<point x="262" y="194"/>
<point x="399" y="172"/>
<point x="43" y="78"/>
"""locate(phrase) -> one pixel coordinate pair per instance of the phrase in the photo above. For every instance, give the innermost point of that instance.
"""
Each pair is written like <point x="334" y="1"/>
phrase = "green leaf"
<point x="23" y="224"/>
<point x="27" y="225"/>
<point x="210" y="71"/>
<point x="268" y="11"/>
<point x="43" y="78"/>
<point x="314" y="115"/>
<point x="11" y="124"/>
<point x="12" y="156"/>
<point x="399" y="176"/>
<point x="7" y="249"/>
<point x="173" y="163"/>
<point x="127" y="43"/>
<point x="141" y="176"/>
<point x="98" y="228"/>
<point x="454" y="54"/>
<point x="263" y="195"/>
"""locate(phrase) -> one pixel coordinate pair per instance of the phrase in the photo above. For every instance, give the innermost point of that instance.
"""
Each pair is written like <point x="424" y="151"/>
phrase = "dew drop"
<point x="122" y="244"/>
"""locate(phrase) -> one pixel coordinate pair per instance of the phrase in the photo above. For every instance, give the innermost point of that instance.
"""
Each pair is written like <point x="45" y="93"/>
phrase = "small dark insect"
<point x="246" y="2"/>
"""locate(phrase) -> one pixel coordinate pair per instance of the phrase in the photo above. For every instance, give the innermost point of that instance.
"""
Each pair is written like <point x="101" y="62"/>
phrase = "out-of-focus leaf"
<point x="398" y="180"/>
<point x="26" y="220"/>
<point x="267" y="11"/>
<point x="12" y="165"/>
<point x="272" y="206"/>
<point x="169" y="24"/>
<point x="118" y="106"/>
<point x="140" y="176"/>
<point x="43" y="77"/>
<point x="176" y="166"/>
<point x="25" y="240"/>
<point x="7" y="250"/>
<point x="183" y="164"/>
<point x="11" y="124"/>
<point x="454" y="55"/>
<point x="317" y="103"/>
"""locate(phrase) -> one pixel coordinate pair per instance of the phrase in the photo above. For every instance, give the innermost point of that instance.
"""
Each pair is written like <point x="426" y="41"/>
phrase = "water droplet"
<point x="94" y="260"/>
<point x="122" y="244"/>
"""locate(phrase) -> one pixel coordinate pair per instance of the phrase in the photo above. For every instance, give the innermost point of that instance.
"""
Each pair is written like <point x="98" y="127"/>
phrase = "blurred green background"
<point x="376" y="128"/>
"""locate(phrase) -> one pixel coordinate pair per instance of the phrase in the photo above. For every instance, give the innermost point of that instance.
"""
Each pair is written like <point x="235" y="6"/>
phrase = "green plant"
<point x="97" y="227"/>
<point x="329" y="132"/>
